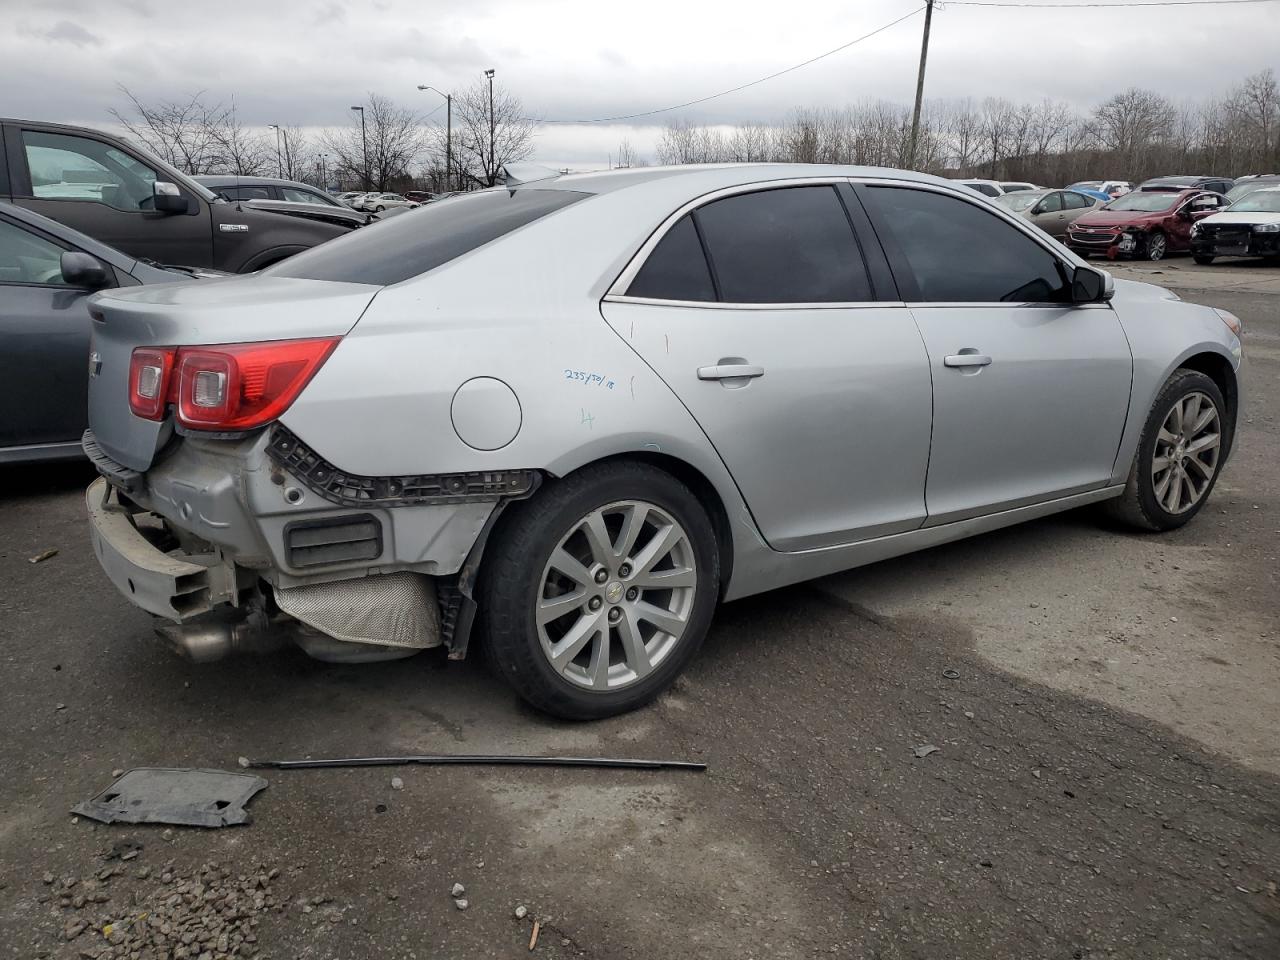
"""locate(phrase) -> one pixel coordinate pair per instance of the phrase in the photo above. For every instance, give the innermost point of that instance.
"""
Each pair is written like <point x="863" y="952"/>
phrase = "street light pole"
<point x="364" y="146"/>
<point x="915" y="114"/>
<point x="279" y="165"/>
<point x="324" y="180"/>
<point x="448" y="136"/>
<point x="492" y="172"/>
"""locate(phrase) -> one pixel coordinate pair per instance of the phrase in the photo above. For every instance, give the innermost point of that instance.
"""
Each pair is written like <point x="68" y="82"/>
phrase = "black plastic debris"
<point x="184" y="797"/>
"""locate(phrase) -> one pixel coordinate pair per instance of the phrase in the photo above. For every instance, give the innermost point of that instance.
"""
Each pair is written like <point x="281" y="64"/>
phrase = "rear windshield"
<point x="394" y="250"/>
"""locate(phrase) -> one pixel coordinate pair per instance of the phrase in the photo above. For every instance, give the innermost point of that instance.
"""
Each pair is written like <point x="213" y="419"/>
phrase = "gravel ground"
<point x="1056" y="818"/>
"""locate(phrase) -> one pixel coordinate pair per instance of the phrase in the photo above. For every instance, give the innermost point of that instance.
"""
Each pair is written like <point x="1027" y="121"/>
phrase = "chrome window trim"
<point x="617" y="290"/>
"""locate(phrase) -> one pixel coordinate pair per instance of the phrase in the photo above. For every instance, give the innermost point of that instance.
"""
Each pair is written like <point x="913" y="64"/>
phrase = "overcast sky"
<point x="306" y="62"/>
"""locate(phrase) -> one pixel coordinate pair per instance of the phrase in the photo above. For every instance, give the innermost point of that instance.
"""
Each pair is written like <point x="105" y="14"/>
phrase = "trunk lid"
<point x="230" y="310"/>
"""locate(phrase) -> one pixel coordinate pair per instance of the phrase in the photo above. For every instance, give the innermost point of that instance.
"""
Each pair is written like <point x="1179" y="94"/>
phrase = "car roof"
<point x="712" y="176"/>
<point x="231" y="180"/>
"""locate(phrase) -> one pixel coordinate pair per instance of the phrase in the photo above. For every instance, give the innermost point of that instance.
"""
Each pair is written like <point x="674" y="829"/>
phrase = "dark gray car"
<point x="106" y="188"/>
<point x="47" y="272"/>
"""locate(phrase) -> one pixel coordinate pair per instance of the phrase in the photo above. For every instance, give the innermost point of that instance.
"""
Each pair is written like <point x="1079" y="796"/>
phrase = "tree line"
<point x="1131" y="135"/>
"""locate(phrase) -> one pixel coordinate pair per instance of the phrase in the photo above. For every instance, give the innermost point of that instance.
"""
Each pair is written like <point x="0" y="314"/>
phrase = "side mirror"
<point x="84" y="271"/>
<point x="1037" y="210"/>
<point x="168" y="198"/>
<point x="1090" y="286"/>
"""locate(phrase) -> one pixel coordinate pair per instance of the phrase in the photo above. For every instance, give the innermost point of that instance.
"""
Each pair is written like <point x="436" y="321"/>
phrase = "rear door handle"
<point x="729" y="371"/>
<point x="966" y="360"/>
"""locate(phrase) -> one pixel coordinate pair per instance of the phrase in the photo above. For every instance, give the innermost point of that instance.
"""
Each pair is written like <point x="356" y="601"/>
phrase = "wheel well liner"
<point x="1218" y="369"/>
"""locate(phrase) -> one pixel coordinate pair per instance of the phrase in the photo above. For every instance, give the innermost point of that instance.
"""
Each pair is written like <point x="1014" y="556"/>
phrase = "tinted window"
<point x="397" y="249"/>
<point x="791" y="245"/>
<point x="28" y="258"/>
<point x="76" y="168"/>
<point x="676" y="269"/>
<point x="960" y="253"/>
<point x="245" y="192"/>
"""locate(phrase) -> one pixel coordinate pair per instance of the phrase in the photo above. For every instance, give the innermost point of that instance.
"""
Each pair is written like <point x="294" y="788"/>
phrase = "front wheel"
<point x="1182" y="445"/>
<point x="1202" y="259"/>
<point x="379" y="209"/>
<point x="1157" y="245"/>
<point x="599" y="591"/>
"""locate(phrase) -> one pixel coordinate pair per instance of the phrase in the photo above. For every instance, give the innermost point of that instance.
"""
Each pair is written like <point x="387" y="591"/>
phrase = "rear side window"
<point x="394" y="250"/>
<point x="789" y="245"/>
<point x="960" y="253"/>
<point x="676" y="269"/>
<point x="244" y="192"/>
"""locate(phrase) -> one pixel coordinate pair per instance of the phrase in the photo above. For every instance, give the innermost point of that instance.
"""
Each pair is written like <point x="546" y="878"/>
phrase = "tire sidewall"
<point x="512" y="635"/>
<point x="1178" y="386"/>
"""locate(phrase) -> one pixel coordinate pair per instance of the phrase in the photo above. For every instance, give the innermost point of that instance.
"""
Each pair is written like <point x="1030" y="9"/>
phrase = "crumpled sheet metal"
<point x="179" y="796"/>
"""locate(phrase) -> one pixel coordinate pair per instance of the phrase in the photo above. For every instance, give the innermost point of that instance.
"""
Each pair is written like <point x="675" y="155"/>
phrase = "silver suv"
<point x="591" y="407"/>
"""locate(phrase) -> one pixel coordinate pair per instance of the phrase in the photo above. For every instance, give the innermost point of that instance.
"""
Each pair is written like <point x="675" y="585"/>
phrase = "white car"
<point x="381" y="202"/>
<point x="988" y="188"/>
<point x="1250" y="227"/>
<point x="1112" y="188"/>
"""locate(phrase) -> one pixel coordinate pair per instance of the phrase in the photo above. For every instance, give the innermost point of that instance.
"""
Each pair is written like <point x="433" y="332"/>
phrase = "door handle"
<point x="730" y="371"/>
<point x="966" y="360"/>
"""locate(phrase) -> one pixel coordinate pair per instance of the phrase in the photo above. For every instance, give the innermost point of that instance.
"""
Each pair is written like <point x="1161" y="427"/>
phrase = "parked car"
<point x="1247" y="185"/>
<point x="380" y="202"/>
<point x="1250" y="227"/>
<point x="1112" y="188"/>
<point x="1147" y="225"/>
<point x="266" y="188"/>
<point x="988" y="188"/>
<point x="1094" y="194"/>
<point x="594" y="458"/>
<point x="419" y="196"/>
<point x="47" y="272"/>
<point x="1050" y="210"/>
<point x="1015" y="186"/>
<point x="1174" y="184"/>
<point x="106" y="188"/>
<point x="350" y="197"/>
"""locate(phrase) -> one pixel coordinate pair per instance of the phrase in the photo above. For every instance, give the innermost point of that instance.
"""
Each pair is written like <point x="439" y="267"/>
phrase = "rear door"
<point x="759" y="310"/>
<point x="106" y="192"/>
<point x="1030" y="391"/>
<point x="44" y="342"/>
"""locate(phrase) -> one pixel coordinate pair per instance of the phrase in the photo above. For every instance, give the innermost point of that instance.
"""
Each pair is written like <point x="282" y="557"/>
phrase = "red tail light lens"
<point x="150" y="373"/>
<point x="240" y="386"/>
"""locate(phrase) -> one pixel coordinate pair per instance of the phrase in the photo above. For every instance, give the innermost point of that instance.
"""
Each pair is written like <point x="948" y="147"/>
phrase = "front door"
<point x="757" y="311"/>
<point x="44" y="343"/>
<point x="1030" y="391"/>
<point x="95" y="187"/>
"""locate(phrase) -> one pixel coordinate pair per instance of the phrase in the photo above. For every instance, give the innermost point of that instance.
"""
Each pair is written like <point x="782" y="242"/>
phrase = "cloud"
<point x="64" y="31"/>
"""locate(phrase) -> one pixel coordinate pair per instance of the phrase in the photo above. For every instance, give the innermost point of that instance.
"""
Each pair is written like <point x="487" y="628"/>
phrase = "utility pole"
<point x="493" y="174"/>
<point x="279" y="165"/>
<point x="364" y="146"/>
<point x="915" y="114"/>
<point x="448" y="136"/>
<point x="324" y="180"/>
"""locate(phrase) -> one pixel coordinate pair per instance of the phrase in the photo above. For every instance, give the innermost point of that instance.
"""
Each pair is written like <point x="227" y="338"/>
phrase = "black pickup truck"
<point x="110" y="190"/>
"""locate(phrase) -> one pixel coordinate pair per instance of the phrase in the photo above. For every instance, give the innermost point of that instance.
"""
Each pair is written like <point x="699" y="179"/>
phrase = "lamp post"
<point x="364" y="146"/>
<point x="448" y="136"/>
<point x="324" y="180"/>
<point x="279" y="165"/>
<point x="492" y="173"/>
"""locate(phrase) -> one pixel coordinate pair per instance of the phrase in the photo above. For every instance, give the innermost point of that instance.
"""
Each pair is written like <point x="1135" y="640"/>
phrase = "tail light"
<point x="225" y="387"/>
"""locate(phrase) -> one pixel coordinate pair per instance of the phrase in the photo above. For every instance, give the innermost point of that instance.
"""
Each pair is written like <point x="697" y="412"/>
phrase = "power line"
<point x="1085" y="6"/>
<point x="744" y="86"/>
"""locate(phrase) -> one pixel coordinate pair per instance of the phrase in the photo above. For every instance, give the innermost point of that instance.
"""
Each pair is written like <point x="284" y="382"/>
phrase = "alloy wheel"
<point x="616" y="595"/>
<point x="1156" y="246"/>
<point x="1186" y="454"/>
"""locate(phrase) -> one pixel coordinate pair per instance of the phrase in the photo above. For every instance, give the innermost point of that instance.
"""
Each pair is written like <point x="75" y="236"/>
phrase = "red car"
<point x="1146" y="224"/>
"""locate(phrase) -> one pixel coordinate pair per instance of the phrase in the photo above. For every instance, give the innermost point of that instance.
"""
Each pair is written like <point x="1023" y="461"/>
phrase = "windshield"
<point x="1248" y="187"/>
<point x="1153" y="202"/>
<point x="1086" y="185"/>
<point x="1019" y="200"/>
<point x="1260" y="201"/>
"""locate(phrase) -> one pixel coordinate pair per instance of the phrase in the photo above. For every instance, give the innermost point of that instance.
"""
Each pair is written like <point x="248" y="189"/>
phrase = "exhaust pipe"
<point x="219" y="634"/>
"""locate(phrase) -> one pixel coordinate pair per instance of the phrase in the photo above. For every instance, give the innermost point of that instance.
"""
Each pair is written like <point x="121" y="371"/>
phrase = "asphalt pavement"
<point x="1104" y="785"/>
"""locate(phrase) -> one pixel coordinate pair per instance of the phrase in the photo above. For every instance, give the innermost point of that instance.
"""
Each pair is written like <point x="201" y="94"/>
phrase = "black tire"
<point x="1139" y="506"/>
<point x="1202" y="259"/>
<point x="379" y="209"/>
<point x="1157" y="247"/>
<point x="512" y="585"/>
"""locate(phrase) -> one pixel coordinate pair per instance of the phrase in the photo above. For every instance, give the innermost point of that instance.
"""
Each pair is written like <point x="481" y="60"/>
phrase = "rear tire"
<point x="1201" y="259"/>
<point x="1179" y="456"/>
<point x="574" y="608"/>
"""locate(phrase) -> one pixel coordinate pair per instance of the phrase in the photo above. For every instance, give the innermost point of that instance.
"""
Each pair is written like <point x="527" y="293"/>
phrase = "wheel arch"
<point x="1222" y="372"/>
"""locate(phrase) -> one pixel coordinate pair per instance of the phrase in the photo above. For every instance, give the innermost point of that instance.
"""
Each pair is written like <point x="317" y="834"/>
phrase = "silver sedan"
<point x="589" y="408"/>
<point x="1050" y="210"/>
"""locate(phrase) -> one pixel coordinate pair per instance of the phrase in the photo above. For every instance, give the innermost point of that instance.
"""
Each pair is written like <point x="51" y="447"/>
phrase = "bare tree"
<point x="1130" y="123"/>
<point x="196" y="136"/>
<point x="391" y="141"/>
<point x="627" y="156"/>
<point x="484" y="143"/>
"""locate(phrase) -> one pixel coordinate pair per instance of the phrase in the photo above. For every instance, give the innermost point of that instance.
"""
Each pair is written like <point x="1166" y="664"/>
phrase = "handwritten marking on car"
<point x="588" y="419"/>
<point x="589" y="379"/>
